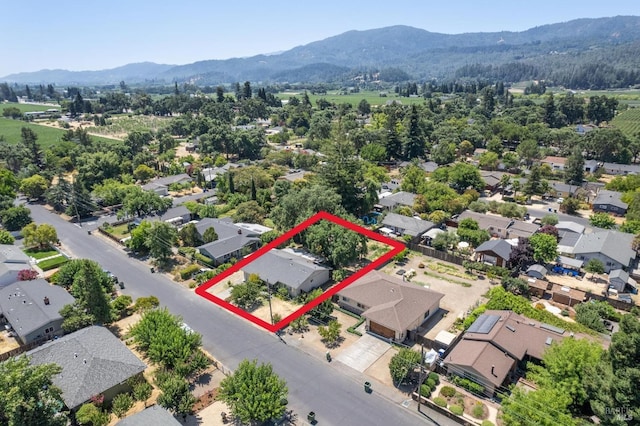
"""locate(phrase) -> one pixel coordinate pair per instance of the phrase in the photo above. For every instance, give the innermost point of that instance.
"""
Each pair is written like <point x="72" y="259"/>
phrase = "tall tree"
<point x="254" y="393"/>
<point x="160" y="240"/>
<point x="574" y="168"/>
<point x="28" y="395"/>
<point x="90" y="288"/>
<point x="545" y="247"/>
<point x="415" y="143"/>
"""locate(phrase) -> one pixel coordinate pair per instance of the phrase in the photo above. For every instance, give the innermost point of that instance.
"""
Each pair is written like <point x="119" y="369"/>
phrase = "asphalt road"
<point x="313" y="385"/>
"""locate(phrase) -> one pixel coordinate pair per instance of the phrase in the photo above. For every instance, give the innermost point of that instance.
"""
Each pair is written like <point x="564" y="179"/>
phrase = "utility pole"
<point x="422" y="376"/>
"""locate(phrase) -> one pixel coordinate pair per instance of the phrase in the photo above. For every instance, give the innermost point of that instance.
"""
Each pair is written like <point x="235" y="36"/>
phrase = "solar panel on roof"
<point x="484" y="324"/>
<point x="552" y="328"/>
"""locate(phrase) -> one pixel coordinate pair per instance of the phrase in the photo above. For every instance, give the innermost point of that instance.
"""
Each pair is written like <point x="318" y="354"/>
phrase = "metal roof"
<point x="484" y="324"/>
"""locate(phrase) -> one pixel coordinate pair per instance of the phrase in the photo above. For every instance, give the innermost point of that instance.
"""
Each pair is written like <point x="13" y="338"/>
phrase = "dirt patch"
<point x="7" y="343"/>
<point x="379" y="370"/>
<point x="121" y="327"/>
<point x="181" y="151"/>
<point x="279" y="307"/>
<point x="312" y="342"/>
<point x="470" y="407"/>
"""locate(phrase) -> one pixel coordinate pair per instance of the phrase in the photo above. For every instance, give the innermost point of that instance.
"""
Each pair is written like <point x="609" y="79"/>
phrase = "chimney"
<point x="46" y="300"/>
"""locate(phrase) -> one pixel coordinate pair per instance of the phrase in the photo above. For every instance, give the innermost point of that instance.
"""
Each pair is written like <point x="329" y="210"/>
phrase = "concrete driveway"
<point x="364" y="352"/>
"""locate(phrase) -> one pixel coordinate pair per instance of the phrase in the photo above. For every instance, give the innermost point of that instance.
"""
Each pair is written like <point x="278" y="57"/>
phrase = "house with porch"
<point x="298" y="272"/>
<point x="32" y="309"/>
<point x="496" y="252"/>
<point x="233" y="241"/>
<point x="392" y="308"/>
<point x="398" y="224"/>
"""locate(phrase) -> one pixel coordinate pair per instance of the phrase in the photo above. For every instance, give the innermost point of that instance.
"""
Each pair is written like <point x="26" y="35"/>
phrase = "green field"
<point x="628" y="122"/>
<point x="354" y="99"/>
<point x="26" y="107"/>
<point x="47" y="136"/>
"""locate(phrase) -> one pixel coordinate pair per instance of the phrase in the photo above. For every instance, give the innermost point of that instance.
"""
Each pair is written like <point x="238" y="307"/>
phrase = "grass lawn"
<point x="47" y="136"/>
<point x="27" y="107"/>
<point x="54" y="262"/>
<point x="120" y="231"/>
<point x="40" y="254"/>
<point x="354" y="99"/>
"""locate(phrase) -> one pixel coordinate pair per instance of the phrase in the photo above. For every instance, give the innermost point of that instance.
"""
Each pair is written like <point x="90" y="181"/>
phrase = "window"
<point x="361" y="306"/>
<point x="346" y="299"/>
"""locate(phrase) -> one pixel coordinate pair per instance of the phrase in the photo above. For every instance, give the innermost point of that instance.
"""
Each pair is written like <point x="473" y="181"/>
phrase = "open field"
<point x="121" y="125"/>
<point x="47" y="136"/>
<point x="27" y="107"/>
<point x="628" y="122"/>
<point x="354" y="99"/>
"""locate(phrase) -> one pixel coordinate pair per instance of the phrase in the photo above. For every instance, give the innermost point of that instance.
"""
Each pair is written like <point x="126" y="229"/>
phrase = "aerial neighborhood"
<point x="475" y="261"/>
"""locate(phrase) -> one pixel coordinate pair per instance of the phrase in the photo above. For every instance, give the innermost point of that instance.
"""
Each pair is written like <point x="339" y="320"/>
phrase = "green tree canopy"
<point x="602" y="220"/>
<point x="254" y="393"/>
<point x="15" y="218"/>
<point x="545" y="247"/>
<point x="27" y="394"/>
<point x="336" y="244"/>
<point x="34" y="186"/>
<point x="402" y="364"/>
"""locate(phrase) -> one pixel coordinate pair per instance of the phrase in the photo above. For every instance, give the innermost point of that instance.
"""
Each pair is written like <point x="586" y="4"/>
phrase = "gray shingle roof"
<point x="499" y="247"/>
<point x="152" y="416"/>
<point x="168" y="180"/>
<point x="278" y="266"/>
<point x="399" y="198"/>
<point x="12" y="254"/>
<point x="22" y="303"/>
<point x="411" y="226"/>
<point x="570" y="226"/>
<point x="93" y="360"/>
<point x="614" y="244"/>
<point x="390" y="301"/>
<point x="622" y="168"/>
<point x="619" y="274"/>
<point x="223" y="246"/>
<point x="610" y="197"/>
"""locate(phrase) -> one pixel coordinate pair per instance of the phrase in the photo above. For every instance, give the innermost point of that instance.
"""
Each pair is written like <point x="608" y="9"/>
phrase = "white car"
<point x="560" y="200"/>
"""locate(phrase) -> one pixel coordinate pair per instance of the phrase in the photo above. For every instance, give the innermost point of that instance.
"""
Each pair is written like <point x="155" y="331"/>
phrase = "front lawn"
<point x="40" y="253"/>
<point x="52" y="263"/>
<point x="120" y="231"/>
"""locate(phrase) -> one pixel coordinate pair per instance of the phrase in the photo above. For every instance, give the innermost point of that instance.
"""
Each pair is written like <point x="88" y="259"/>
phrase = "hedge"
<point x="204" y="259"/>
<point x="52" y="263"/>
<point x="187" y="272"/>
<point x="467" y="384"/>
<point x="353" y="330"/>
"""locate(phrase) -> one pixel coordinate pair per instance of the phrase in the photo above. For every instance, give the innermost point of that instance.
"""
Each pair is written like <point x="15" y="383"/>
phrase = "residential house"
<point x="492" y="180"/>
<point x="496" y="252"/>
<point x="561" y="189"/>
<point x="233" y="241"/>
<point x="12" y="261"/>
<point x="297" y="271"/>
<point x="612" y="248"/>
<point x="499" y="226"/>
<point x="537" y="271"/>
<point x="161" y="185"/>
<point x="590" y="166"/>
<point x="151" y="416"/>
<point x="398" y="199"/>
<point x="210" y="174"/>
<point x="583" y="129"/>
<point x="176" y="215"/>
<point x="32" y="309"/>
<point x="392" y="308"/>
<point x="621" y="169"/>
<point x="495" y="344"/>
<point x="429" y="166"/>
<point x="93" y="362"/>
<point x="556" y="163"/>
<point x="398" y="224"/>
<point x="609" y="202"/>
<point x="569" y="234"/>
<point x="619" y="280"/>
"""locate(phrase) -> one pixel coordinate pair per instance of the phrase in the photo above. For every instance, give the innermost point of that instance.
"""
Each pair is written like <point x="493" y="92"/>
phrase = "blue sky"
<point x="92" y="35"/>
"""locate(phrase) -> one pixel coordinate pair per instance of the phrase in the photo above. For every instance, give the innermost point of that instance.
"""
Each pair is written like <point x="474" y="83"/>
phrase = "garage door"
<point x="381" y="330"/>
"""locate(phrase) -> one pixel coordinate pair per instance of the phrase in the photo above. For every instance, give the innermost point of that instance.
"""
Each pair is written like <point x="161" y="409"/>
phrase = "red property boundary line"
<point x="397" y="247"/>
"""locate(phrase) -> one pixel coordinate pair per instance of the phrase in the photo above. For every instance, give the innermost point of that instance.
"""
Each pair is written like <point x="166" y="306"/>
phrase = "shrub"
<point x="435" y="377"/>
<point x="425" y="391"/>
<point x="478" y="410"/>
<point x="121" y="303"/>
<point x="145" y="303"/>
<point x="487" y="423"/>
<point x="431" y="384"/>
<point x="204" y="260"/>
<point x="456" y="409"/>
<point x="467" y="384"/>
<point x="447" y="391"/>
<point x="187" y="272"/>
<point x="440" y="402"/>
<point x="142" y="391"/>
<point x="121" y="404"/>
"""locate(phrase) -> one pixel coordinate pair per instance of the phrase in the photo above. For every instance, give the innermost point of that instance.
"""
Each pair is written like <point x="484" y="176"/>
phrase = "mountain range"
<point x="417" y="54"/>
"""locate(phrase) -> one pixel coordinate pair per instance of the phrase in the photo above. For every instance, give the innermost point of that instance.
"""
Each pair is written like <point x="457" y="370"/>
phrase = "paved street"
<point x="336" y="398"/>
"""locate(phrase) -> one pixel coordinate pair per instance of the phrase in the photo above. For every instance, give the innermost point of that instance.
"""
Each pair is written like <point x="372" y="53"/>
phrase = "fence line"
<point x="441" y="255"/>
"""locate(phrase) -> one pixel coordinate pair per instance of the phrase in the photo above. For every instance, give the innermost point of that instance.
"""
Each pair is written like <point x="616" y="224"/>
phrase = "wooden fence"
<point x="20" y="349"/>
<point x="431" y="252"/>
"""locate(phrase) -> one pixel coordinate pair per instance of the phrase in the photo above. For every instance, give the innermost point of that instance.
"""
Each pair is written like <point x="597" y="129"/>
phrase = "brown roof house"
<point x="495" y="344"/>
<point x="391" y="306"/>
